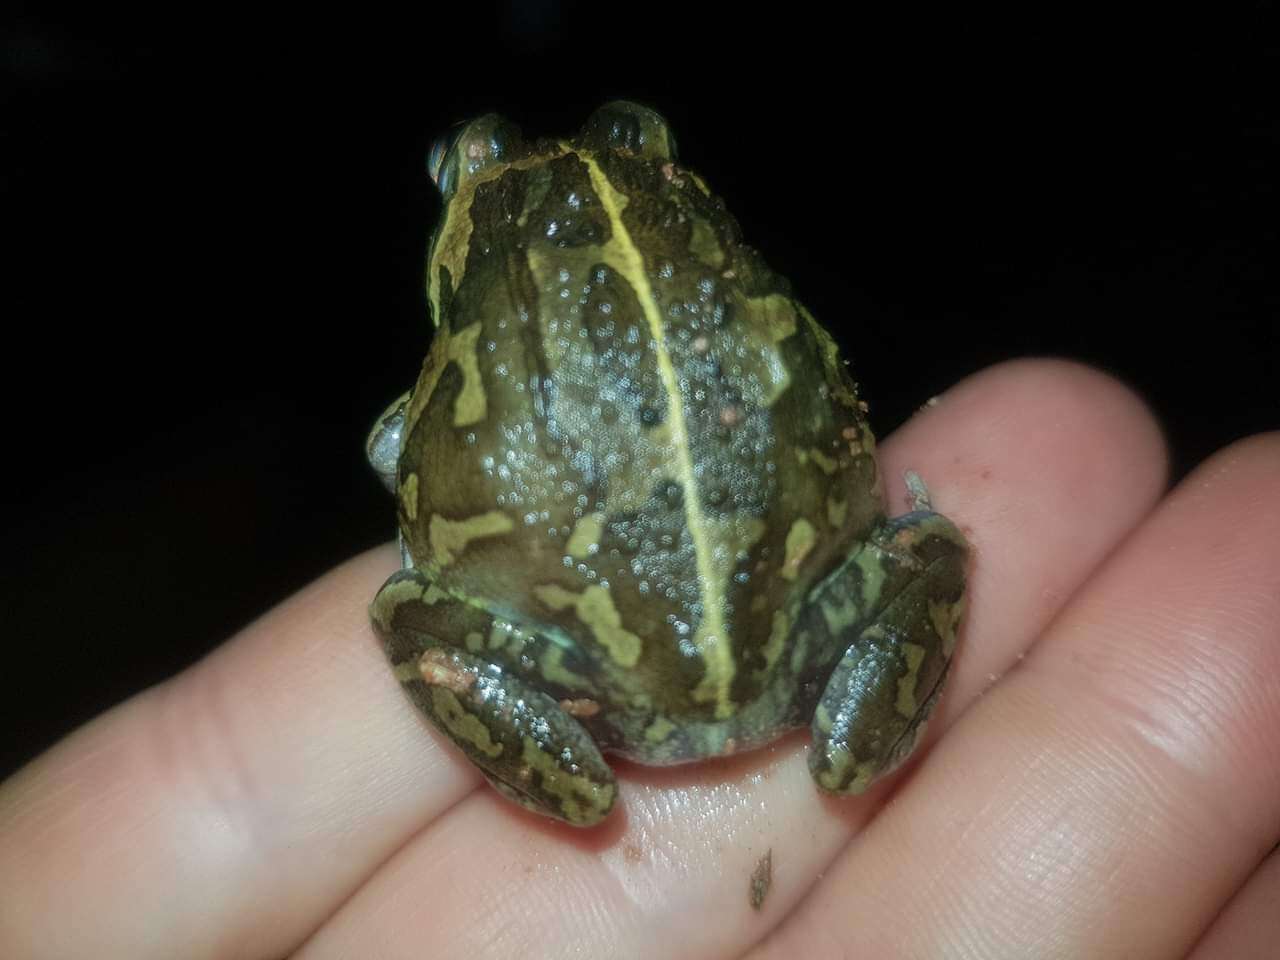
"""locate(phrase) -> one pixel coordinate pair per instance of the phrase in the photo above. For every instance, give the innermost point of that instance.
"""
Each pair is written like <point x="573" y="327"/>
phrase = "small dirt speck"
<point x="761" y="878"/>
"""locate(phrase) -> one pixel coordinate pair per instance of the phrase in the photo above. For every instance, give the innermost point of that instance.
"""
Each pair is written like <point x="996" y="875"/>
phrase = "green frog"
<point x="639" y="507"/>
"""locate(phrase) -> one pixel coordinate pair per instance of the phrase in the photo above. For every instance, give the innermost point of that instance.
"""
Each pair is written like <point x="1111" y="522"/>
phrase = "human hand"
<point x="1102" y="778"/>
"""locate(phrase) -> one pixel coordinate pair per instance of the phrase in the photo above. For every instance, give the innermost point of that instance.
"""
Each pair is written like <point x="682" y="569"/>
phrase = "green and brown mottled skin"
<point x="638" y="497"/>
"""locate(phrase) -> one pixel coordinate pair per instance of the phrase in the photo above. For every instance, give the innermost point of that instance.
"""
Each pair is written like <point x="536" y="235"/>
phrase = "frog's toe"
<point x="580" y="800"/>
<point x="530" y="749"/>
<point x="866" y="724"/>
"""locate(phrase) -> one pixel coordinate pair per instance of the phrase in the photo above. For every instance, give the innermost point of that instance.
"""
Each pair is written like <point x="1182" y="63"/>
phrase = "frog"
<point x="639" y="509"/>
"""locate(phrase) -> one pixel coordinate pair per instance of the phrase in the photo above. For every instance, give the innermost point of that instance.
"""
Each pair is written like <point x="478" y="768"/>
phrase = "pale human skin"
<point x="1102" y="779"/>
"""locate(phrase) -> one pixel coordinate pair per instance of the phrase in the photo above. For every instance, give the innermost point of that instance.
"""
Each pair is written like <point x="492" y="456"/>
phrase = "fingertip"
<point x="1026" y="429"/>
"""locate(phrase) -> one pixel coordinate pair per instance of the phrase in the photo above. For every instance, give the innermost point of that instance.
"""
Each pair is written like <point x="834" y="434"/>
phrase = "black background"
<point x="217" y="221"/>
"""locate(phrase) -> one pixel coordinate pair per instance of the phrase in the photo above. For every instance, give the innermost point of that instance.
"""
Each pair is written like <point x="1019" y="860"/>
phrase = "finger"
<point x="1056" y="464"/>
<point x="671" y="875"/>
<point x="1249" y="927"/>
<point x="1110" y="794"/>
<point x="225" y="812"/>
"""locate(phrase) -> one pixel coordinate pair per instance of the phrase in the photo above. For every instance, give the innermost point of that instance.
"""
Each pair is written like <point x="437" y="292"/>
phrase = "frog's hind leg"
<point x="893" y="608"/>
<point x="526" y="745"/>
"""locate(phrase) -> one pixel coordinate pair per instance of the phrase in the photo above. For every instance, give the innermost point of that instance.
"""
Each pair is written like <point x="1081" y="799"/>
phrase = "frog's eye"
<point x="627" y="126"/>
<point x="436" y="156"/>
<point x="471" y="148"/>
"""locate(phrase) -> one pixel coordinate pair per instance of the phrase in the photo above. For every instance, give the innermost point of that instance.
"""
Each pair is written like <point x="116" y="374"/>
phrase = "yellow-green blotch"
<point x="578" y="795"/>
<point x="907" y="704"/>
<point x="585" y="536"/>
<point x="462" y="725"/>
<point x="450" y="537"/>
<point x="470" y="405"/>
<point x="800" y="540"/>
<point x="594" y="607"/>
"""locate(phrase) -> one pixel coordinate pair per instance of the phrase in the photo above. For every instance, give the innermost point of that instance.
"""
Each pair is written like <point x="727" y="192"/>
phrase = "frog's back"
<point x="638" y="441"/>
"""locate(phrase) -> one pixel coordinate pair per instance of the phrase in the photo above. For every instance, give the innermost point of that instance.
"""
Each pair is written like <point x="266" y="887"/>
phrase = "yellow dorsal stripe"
<point x="621" y="254"/>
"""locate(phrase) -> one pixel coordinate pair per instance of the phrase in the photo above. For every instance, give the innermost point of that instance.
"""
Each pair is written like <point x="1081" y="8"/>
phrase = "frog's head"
<point x="472" y="151"/>
<point x="471" y="162"/>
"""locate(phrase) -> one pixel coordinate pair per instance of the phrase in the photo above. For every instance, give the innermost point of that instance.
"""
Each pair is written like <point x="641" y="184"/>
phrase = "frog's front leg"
<point x="893" y="608"/>
<point x="527" y="746"/>
<point x="382" y="446"/>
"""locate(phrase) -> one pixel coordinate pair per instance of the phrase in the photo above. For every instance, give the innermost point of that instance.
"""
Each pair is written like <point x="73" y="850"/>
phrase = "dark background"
<point x="216" y="227"/>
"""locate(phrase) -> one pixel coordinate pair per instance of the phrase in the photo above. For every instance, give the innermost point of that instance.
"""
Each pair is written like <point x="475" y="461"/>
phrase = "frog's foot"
<point x="523" y="741"/>
<point x="909" y="577"/>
